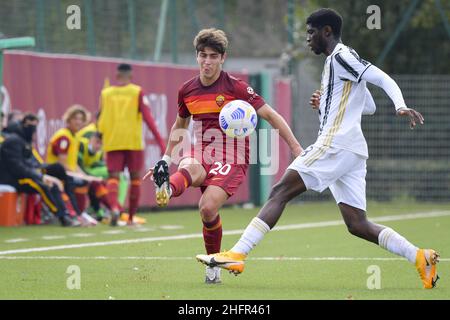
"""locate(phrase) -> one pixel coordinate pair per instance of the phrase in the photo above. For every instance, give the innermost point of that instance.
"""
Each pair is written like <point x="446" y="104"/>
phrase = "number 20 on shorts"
<point x="219" y="168"/>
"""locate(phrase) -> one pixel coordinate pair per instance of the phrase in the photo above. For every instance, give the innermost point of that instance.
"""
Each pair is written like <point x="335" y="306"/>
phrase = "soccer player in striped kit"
<point x="337" y="160"/>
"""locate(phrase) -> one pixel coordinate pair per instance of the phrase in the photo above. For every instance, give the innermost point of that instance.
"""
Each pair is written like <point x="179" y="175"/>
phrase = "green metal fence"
<point x="407" y="164"/>
<point x="151" y="30"/>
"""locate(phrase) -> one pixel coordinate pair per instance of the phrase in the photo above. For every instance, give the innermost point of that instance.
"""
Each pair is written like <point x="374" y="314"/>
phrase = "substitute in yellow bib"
<point x="122" y="110"/>
<point x="63" y="148"/>
<point x="87" y="131"/>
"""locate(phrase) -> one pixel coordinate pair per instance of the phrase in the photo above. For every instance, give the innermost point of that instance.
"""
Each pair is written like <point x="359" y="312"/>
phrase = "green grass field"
<point x="157" y="260"/>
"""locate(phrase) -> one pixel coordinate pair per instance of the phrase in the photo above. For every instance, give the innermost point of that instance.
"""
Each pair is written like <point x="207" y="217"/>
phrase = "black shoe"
<point x="161" y="180"/>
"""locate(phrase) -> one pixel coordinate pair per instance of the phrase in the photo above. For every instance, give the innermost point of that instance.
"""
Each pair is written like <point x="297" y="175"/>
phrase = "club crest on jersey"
<point x="220" y="100"/>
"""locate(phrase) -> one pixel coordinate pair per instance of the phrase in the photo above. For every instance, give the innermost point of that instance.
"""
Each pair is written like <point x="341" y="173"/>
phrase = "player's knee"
<point x="356" y="228"/>
<point x="352" y="229"/>
<point x="208" y="211"/>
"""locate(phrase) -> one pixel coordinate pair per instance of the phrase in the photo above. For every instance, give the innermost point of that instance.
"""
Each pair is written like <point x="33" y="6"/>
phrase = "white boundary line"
<point x="192" y="258"/>
<point x="431" y="214"/>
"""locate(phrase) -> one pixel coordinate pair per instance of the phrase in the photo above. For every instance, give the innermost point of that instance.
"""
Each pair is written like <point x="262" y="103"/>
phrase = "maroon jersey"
<point x="205" y="103"/>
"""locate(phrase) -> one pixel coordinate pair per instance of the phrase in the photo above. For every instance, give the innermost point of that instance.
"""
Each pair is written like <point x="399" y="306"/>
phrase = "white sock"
<point x="252" y="235"/>
<point x="390" y="240"/>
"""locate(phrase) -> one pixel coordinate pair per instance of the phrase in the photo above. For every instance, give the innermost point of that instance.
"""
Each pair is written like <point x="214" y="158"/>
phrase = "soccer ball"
<point x="238" y="119"/>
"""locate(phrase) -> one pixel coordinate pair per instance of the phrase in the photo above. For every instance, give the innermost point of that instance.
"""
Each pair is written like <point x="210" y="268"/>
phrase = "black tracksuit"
<point x="15" y="170"/>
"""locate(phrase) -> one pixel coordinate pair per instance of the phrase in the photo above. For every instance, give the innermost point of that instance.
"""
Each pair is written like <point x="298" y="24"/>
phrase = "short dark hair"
<point x="29" y="117"/>
<point x="326" y="17"/>
<point x="124" y="67"/>
<point x="14" y="115"/>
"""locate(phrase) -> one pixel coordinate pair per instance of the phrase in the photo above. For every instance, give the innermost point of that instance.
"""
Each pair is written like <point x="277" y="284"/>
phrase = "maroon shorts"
<point x="116" y="161"/>
<point x="226" y="176"/>
<point x="219" y="173"/>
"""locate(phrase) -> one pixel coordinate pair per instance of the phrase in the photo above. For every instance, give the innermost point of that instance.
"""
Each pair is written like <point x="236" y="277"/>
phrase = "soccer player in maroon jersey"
<point x="218" y="175"/>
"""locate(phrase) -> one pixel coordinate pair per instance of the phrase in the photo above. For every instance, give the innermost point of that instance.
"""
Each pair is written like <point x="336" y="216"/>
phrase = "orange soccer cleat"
<point x="231" y="261"/>
<point x="426" y="260"/>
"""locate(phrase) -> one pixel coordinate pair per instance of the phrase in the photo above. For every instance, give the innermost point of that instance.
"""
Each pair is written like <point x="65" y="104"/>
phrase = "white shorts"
<point x="343" y="171"/>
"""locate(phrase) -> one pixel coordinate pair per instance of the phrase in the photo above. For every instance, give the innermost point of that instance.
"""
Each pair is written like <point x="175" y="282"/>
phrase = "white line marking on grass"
<point x="335" y="259"/>
<point x="113" y="232"/>
<point x="192" y="258"/>
<point x="144" y="229"/>
<point x="90" y="258"/>
<point x="16" y="240"/>
<point x="53" y="237"/>
<point x="82" y="235"/>
<point x="170" y="227"/>
<point x="432" y="214"/>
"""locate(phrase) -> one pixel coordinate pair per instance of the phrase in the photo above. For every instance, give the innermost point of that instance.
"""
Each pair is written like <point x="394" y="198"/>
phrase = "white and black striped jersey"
<point x="343" y="97"/>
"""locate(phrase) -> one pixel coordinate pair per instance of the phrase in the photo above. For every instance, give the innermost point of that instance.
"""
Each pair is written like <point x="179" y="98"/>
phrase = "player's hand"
<point x="297" y="151"/>
<point x="150" y="171"/>
<point x="414" y="116"/>
<point x="51" y="181"/>
<point x="149" y="174"/>
<point x="315" y="100"/>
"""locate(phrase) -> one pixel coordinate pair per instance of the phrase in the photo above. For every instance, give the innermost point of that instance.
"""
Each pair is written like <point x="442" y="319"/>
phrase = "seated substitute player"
<point x="201" y="99"/>
<point x="122" y="109"/>
<point x="36" y="162"/>
<point x="102" y="172"/>
<point x="63" y="148"/>
<point x="90" y="161"/>
<point x="337" y="160"/>
<point x="15" y="154"/>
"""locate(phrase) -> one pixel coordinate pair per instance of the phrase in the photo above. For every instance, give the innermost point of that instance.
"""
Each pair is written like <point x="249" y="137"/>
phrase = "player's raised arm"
<point x="277" y="122"/>
<point x="180" y="123"/>
<point x="150" y="122"/>
<point x="379" y="78"/>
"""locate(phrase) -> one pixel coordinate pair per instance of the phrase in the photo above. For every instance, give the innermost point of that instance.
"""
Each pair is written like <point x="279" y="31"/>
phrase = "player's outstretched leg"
<point x="289" y="187"/>
<point x="424" y="259"/>
<point x="161" y="181"/>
